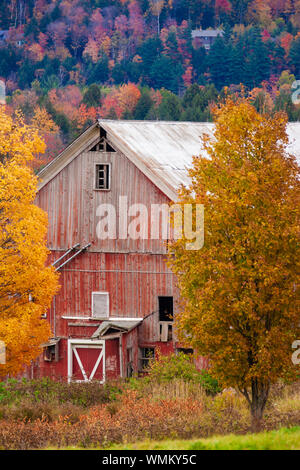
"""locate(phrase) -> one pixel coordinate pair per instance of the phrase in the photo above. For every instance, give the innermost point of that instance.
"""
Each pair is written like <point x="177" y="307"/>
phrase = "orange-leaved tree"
<point x="27" y="285"/>
<point x="240" y="290"/>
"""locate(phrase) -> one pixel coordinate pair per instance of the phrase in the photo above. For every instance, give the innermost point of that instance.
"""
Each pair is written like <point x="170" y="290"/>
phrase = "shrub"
<point x="181" y="366"/>
<point x="56" y="392"/>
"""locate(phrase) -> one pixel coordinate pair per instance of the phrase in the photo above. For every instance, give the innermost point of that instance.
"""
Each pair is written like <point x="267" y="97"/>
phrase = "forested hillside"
<point x="65" y="62"/>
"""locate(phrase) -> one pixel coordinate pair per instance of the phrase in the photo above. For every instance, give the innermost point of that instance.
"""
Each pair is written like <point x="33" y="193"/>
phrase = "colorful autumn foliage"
<point x="70" y="38"/>
<point x="26" y="284"/>
<point x="53" y="52"/>
<point x="241" y="289"/>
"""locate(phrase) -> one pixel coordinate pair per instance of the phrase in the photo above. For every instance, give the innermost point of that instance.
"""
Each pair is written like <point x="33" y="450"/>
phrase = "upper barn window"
<point x="102" y="146"/>
<point x="102" y="176"/>
<point x="165" y="305"/>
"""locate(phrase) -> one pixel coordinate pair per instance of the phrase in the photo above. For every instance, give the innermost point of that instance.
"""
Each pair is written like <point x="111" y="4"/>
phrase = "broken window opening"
<point x="51" y="353"/>
<point x="102" y="180"/>
<point x="187" y="351"/>
<point x="147" y="355"/>
<point x="165" y="306"/>
<point x="102" y="146"/>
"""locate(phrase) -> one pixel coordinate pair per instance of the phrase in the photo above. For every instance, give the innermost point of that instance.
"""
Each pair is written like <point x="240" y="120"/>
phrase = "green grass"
<point x="283" y="439"/>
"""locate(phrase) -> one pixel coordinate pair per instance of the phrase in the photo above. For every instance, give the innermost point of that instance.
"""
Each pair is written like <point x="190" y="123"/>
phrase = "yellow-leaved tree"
<point x="27" y="285"/>
<point x="241" y="290"/>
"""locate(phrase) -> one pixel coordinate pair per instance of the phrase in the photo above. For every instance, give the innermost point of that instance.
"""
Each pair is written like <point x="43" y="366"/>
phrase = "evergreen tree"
<point x="99" y="72"/>
<point x="149" y="51"/>
<point x="196" y="103"/>
<point x="218" y="63"/>
<point x="257" y="62"/>
<point x="8" y="61"/>
<point x="172" y="46"/>
<point x="32" y="29"/>
<point x="294" y="56"/>
<point x="26" y="74"/>
<point x="237" y="64"/>
<point x="144" y="105"/>
<point x="199" y="61"/>
<point x="170" y="108"/>
<point x="92" y="96"/>
<point x="165" y="74"/>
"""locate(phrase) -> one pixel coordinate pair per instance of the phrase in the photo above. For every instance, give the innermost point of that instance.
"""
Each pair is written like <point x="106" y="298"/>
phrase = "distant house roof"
<point x="212" y="33"/>
<point x="162" y="150"/>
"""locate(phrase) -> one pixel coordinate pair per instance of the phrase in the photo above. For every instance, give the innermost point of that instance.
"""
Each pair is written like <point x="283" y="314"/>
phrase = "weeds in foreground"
<point x="174" y="401"/>
<point x="174" y="410"/>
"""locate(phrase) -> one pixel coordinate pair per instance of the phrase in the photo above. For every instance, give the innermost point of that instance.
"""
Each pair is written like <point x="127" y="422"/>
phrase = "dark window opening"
<point x="165" y="308"/>
<point x="51" y="353"/>
<point x="102" y="146"/>
<point x="147" y="355"/>
<point x="102" y="176"/>
<point x="102" y="132"/>
<point x="97" y="147"/>
<point x="187" y="351"/>
<point x="109" y="148"/>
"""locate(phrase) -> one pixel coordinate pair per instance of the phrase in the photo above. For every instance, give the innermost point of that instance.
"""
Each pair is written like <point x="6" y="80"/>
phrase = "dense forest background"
<point x="65" y="63"/>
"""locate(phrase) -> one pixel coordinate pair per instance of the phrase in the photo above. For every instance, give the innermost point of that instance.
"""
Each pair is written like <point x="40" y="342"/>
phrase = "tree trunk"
<point x="256" y="417"/>
<point x="257" y="402"/>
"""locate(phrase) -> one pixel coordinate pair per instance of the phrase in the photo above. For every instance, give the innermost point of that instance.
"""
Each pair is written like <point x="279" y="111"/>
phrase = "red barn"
<point x="118" y="298"/>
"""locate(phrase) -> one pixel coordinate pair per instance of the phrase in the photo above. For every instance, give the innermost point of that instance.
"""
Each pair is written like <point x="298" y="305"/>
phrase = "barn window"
<point x="51" y="350"/>
<point x="102" y="176"/>
<point x="100" y="304"/>
<point x="146" y="355"/>
<point x="102" y="146"/>
<point x="186" y="351"/>
<point x="165" y="306"/>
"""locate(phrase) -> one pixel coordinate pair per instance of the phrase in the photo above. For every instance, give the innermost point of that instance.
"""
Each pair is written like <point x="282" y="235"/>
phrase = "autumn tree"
<point x="240" y="291"/>
<point x="156" y="7"/>
<point x="26" y="284"/>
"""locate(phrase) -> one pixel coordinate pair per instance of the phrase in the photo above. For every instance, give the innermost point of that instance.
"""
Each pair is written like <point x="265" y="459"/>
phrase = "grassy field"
<point x="283" y="439"/>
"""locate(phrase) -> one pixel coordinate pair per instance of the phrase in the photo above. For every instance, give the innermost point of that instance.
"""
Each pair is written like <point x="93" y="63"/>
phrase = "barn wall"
<point x="71" y="203"/>
<point x="134" y="282"/>
<point x="133" y="272"/>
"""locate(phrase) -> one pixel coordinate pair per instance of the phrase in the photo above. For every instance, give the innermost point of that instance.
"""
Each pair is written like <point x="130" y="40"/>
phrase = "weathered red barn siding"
<point x="71" y="203"/>
<point x="133" y="280"/>
<point x="134" y="272"/>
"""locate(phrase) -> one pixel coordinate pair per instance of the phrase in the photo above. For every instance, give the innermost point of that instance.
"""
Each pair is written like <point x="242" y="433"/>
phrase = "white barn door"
<point x="86" y="360"/>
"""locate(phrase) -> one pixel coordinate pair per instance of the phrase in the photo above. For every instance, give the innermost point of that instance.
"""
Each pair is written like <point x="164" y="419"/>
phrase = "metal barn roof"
<point x="167" y="148"/>
<point x="162" y="150"/>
